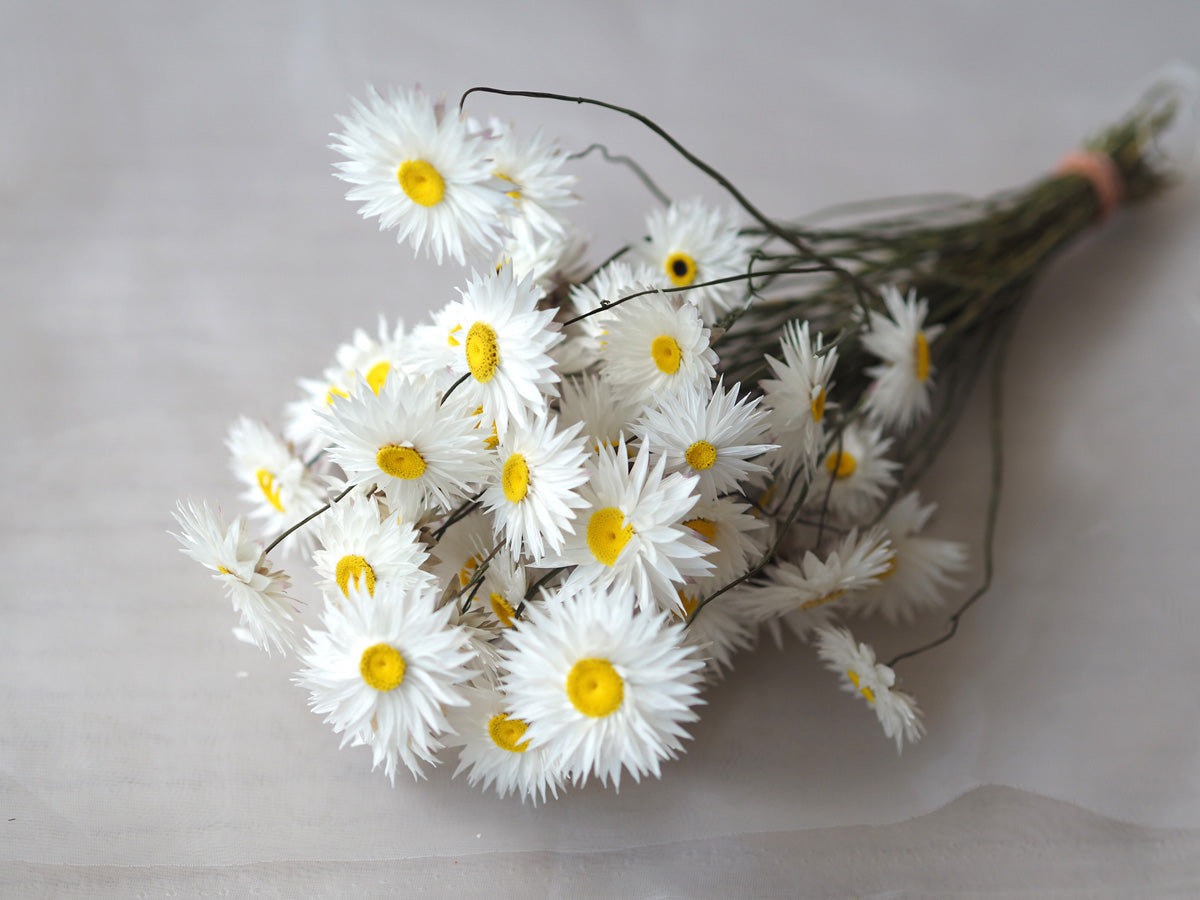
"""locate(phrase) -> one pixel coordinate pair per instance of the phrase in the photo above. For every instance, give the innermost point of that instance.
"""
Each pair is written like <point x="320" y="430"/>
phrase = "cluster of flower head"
<point x="547" y="520"/>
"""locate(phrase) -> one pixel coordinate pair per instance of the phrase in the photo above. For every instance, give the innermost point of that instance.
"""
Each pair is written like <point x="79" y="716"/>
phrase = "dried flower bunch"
<point x="543" y="519"/>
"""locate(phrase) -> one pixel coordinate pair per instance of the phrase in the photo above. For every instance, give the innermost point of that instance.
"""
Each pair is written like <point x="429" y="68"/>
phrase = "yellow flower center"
<point x="515" y="478"/>
<point x="818" y="406"/>
<point x="821" y="601"/>
<point x="921" y="356"/>
<point x="266" y="484"/>
<point x="223" y="570"/>
<point x="681" y="269"/>
<point x="890" y="570"/>
<point x="515" y="193"/>
<point x="607" y="534"/>
<point x="353" y="567"/>
<point x="382" y="667"/>
<point x="482" y="353"/>
<point x="493" y="439"/>
<point x="378" y="375"/>
<point x="400" y="462"/>
<point x="421" y="182"/>
<point x="701" y="455"/>
<point x="506" y="733"/>
<point x="503" y="609"/>
<point x="706" y="528"/>
<point x="863" y="689"/>
<point x="594" y="688"/>
<point x="450" y="338"/>
<point x="334" y="392"/>
<point x="665" y="351"/>
<point x="841" y="465"/>
<point x="464" y="574"/>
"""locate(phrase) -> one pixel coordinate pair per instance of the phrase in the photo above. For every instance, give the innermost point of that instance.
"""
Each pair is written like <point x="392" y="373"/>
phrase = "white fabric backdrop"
<point x="175" y="253"/>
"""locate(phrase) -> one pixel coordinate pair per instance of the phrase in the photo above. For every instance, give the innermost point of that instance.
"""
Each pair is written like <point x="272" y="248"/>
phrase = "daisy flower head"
<point x="631" y="537"/>
<point x="690" y="244"/>
<point x="258" y="592"/>
<point x="719" y="628"/>
<point x="535" y="495"/>
<point x="736" y="536"/>
<point x="363" y="357"/>
<point x="383" y="669"/>
<point x="503" y="346"/>
<point x="533" y="178"/>
<point x="904" y="376"/>
<point x="920" y="567"/>
<point x="796" y="590"/>
<point x="874" y="682"/>
<point x="601" y="687"/>
<point x="796" y="398"/>
<point x="424" y="172"/>
<point x="420" y="452"/>
<point x="860" y="473"/>
<point x="279" y="486"/>
<point x="714" y="438"/>
<point x="607" y="285"/>
<point x="460" y="550"/>
<point x="552" y="261"/>
<point x="361" y="545"/>
<point x="501" y="591"/>
<point x="657" y="345"/>
<point x="605" y="413"/>
<point x="496" y="752"/>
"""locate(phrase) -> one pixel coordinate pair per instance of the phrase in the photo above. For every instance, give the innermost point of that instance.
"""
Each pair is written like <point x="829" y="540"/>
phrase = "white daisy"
<point x="609" y="284"/>
<point x="737" y="538"/>
<point x="690" y="243"/>
<point x="718" y="630"/>
<point x="402" y="441"/>
<point x="602" y="688"/>
<point x="279" y="486"/>
<point x="501" y="591"/>
<point x="904" y="378"/>
<point x="503" y="345"/>
<point x="363" y="546"/>
<point x="437" y="345"/>
<point x="363" y="357"/>
<point x="551" y="262"/>
<point x="423" y="172"/>
<point x="861" y="675"/>
<point x="919" y="569"/>
<point x="859" y="471"/>
<point x="607" y="415"/>
<point x="534" y="495"/>
<point x="633" y="538"/>
<point x="258" y="592"/>
<point x="382" y="671"/>
<point x="533" y="178"/>
<point x="712" y="438"/>
<point x="656" y="345"/>
<point x="794" y="589"/>
<point x="796" y="398"/>
<point x="496" y="752"/>
<point x="460" y="550"/>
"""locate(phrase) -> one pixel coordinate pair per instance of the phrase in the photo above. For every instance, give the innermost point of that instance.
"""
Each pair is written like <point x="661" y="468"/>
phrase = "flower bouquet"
<point x="543" y="519"/>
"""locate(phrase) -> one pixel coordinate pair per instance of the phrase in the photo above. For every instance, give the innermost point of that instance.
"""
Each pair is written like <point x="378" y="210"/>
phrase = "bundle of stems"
<point x="974" y="261"/>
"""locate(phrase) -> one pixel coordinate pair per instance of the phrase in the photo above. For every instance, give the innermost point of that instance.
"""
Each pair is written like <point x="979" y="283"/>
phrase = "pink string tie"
<point x="1101" y="173"/>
